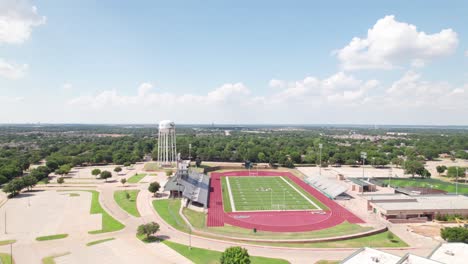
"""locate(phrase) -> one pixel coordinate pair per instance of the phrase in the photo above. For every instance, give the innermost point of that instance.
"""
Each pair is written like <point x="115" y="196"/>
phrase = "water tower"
<point x="167" y="153"/>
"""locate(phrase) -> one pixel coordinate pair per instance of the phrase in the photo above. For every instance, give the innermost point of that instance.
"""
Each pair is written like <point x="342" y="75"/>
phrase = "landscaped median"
<point x="109" y="223"/>
<point x="92" y="243"/>
<point x="136" y="178"/>
<point x="202" y="256"/>
<point x="168" y="210"/>
<point x="51" y="237"/>
<point x="51" y="259"/>
<point x="126" y="199"/>
<point x="6" y="259"/>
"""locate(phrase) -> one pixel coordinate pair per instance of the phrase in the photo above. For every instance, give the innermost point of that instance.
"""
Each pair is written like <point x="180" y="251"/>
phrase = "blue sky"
<point x="234" y="62"/>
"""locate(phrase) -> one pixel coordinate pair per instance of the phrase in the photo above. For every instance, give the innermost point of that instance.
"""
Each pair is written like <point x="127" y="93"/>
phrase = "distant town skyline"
<point x="268" y="62"/>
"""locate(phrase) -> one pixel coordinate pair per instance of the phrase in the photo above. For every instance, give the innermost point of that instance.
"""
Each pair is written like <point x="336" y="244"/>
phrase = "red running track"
<point x="276" y="221"/>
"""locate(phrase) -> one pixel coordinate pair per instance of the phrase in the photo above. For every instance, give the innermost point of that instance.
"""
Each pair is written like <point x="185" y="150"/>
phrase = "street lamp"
<point x="320" y="160"/>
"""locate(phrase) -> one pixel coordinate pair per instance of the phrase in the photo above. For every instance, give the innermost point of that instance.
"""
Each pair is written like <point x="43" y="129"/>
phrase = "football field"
<point x="266" y="193"/>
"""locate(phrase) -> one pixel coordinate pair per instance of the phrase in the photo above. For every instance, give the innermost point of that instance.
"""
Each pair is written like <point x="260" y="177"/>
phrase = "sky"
<point x="234" y="62"/>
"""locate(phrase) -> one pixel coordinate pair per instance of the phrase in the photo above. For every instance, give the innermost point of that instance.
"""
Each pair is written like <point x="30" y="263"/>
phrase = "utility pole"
<point x="320" y="161"/>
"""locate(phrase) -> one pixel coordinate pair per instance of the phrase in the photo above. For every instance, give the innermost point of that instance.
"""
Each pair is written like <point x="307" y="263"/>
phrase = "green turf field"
<point x="264" y="194"/>
<point x="428" y="183"/>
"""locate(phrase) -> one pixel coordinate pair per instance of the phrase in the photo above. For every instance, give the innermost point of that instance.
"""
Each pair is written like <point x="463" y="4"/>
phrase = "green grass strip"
<point x="379" y="240"/>
<point x="427" y="183"/>
<point x="7" y="242"/>
<point x="128" y="204"/>
<point x="92" y="243"/>
<point x="6" y="259"/>
<point x="203" y="256"/>
<point x="168" y="209"/>
<point x="226" y="201"/>
<point x="136" y="178"/>
<point x="109" y="224"/>
<point x="51" y="237"/>
<point x="51" y="259"/>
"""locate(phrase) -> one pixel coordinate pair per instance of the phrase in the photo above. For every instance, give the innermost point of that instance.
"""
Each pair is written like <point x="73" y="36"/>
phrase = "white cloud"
<point x="274" y="83"/>
<point x="338" y="87"/>
<point x="225" y="94"/>
<point x="67" y="87"/>
<point x="11" y="70"/>
<point x="17" y="19"/>
<point x="10" y="100"/>
<point x="390" y="43"/>
<point x="411" y="91"/>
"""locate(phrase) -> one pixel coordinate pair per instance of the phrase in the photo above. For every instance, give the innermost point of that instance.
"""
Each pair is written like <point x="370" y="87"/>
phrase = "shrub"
<point x="106" y="175"/>
<point x="235" y="255"/>
<point x="60" y="180"/>
<point x="455" y="234"/>
<point x="148" y="229"/>
<point x="154" y="187"/>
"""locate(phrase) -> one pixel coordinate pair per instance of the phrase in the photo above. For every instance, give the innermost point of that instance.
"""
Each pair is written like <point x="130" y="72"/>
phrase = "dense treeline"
<point x="303" y="147"/>
<point x="66" y="146"/>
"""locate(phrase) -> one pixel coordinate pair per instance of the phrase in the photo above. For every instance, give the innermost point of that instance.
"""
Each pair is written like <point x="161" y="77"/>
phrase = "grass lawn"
<point x="51" y="259"/>
<point x="7" y="242"/>
<point x="378" y="240"/>
<point x="51" y="237"/>
<point x="428" y="183"/>
<point x="150" y="239"/>
<point x="136" y="178"/>
<point x="205" y="256"/>
<point x="92" y="243"/>
<point x="168" y="209"/>
<point x="151" y="166"/>
<point x="127" y="204"/>
<point x="109" y="224"/>
<point x="6" y="259"/>
<point x="198" y="221"/>
<point x="266" y="193"/>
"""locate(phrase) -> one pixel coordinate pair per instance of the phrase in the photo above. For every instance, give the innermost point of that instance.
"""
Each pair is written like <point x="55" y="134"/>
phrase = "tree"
<point x="198" y="162"/>
<point x="123" y="181"/>
<point x="148" y="229"/>
<point x="118" y="169"/>
<point x="235" y="255"/>
<point x="60" y="180"/>
<point x="455" y="234"/>
<point x="106" y="175"/>
<point x="29" y="181"/>
<point x="96" y="172"/>
<point x="14" y="186"/>
<point x="455" y="171"/>
<point x="63" y="170"/>
<point x="441" y="169"/>
<point x="126" y="164"/>
<point x="413" y="167"/>
<point x="168" y="173"/>
<point x="154" y="187"/>
<point x="52" y="165"/>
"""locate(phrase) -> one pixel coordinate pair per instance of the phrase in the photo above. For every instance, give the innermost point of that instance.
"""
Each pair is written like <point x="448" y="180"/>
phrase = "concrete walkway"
<point x="27" y="250"/>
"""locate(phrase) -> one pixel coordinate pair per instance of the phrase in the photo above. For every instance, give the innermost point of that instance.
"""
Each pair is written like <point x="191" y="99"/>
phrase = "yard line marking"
<point x="303" y="195"/>
<point x="233" y="206"/>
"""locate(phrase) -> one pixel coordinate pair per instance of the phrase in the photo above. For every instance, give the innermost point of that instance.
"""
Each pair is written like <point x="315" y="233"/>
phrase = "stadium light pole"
<point x="363" y="156"/>
<point x="320" y="160"/>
